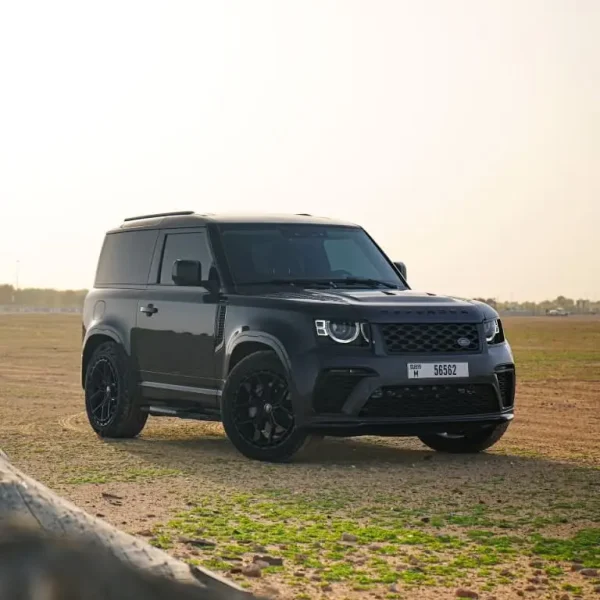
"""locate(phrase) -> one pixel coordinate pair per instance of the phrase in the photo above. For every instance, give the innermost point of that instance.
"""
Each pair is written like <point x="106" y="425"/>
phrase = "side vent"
<point x="220" y="329"/>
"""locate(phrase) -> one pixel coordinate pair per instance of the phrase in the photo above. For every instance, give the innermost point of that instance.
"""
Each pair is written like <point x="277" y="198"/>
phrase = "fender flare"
<point x="259" y="337"/>
<point x="109" y="332"/>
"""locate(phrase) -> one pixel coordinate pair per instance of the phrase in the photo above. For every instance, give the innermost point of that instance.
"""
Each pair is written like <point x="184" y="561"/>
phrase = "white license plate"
<point x="437" y="370"/>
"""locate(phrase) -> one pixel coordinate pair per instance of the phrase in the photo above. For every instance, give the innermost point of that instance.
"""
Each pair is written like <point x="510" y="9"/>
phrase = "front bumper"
<point x="353" y="393"/>
<point x="396" y="427"/>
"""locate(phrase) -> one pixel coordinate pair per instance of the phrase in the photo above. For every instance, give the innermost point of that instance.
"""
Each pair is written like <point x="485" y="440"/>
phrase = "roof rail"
<point x="310" y="215"/>
<point x="165" y="214"/>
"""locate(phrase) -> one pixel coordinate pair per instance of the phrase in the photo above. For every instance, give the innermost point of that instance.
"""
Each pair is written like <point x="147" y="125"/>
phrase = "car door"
<point x="175" y="332"/>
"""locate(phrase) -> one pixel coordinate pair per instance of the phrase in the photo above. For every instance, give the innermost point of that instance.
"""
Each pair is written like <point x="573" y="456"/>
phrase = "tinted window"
<point x="126" y="258"/>
<point x="187" y="246"/>
<point x="346" y="254"/>
<point x="259" y="253"/>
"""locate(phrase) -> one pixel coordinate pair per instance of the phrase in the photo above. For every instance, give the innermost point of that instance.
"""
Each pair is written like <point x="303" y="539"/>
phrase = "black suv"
<point x="285" y="328"/>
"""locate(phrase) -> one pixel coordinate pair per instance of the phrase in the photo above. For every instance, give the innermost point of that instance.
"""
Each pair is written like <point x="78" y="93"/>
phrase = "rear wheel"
<point x="257" y="411"/>
<point x="110" y="394"/>
<point x="467" y="443"/>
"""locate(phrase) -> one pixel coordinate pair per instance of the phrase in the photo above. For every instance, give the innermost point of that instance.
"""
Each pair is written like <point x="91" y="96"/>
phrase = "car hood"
<point x="388" y="304"/>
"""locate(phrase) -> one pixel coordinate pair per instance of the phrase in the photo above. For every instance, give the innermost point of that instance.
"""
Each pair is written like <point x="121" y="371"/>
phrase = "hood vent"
<point x="427" y="312"/>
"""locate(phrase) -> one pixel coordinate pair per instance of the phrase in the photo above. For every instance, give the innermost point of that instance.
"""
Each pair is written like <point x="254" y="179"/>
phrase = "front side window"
<point x="264" y="253"/>
<point x="184" y="246"/>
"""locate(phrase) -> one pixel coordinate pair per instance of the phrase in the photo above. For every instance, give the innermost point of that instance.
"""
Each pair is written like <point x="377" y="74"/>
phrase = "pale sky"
<point x="463" y="135"/>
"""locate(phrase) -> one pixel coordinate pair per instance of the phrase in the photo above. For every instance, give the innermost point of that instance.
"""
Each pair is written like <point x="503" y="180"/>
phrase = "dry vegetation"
<point x="356" y="518"/>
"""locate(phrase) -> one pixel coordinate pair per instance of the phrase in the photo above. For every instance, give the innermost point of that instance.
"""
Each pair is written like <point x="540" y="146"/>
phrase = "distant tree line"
<point x="48" y="298"/>
<point x="51" y="298"/>
<point x="580" y="306"/>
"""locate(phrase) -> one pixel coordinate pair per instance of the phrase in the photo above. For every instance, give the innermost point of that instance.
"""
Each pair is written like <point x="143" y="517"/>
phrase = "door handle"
<point x="149" y="310"/>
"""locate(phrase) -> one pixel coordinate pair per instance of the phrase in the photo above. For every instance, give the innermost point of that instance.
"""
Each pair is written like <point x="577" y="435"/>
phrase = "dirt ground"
<point x="359" y="518"/>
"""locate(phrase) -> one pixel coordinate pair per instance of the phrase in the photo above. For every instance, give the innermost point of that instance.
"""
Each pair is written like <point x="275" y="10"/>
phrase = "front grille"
<point x="431" y="401"/>
<point x="333" y="388"/>
<point x="430" y="338"/>
<point x="506" y="381"/>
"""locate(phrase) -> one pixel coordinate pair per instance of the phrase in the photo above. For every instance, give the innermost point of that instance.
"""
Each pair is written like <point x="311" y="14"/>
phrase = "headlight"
<point x="491" y="330"/>
<point x="342" y="332"/>
<point x="365" y="330"/>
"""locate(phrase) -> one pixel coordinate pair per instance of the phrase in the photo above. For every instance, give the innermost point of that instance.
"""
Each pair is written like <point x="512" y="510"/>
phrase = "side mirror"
<point x="401" y="267"/>
<point x="187" y="272"/>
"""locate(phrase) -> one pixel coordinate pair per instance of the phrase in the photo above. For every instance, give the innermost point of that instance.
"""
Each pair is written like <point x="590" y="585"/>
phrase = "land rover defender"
<point x="284" y="328"/>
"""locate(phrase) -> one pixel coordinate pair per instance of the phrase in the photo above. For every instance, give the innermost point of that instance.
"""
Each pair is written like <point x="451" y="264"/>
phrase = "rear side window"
<point x="125" y="258"/>
<point x="184" y="246"/>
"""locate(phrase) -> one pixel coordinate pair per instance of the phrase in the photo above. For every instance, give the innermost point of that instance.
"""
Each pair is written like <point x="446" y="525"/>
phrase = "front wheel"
<point x="257" y="411"/>
<point x="467" y="443"/>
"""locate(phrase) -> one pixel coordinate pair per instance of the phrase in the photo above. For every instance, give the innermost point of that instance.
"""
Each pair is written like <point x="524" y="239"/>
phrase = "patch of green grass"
<point x="89" y="478"/>
<point x="475" y="516"/>
<point x="575" y="589"/>
<point x="490" y="539"/>
<point x="566" y="350"/>
<point x="162" y="540"/>
<point x="465" y="562"/>
<point x="584" y="547"/>
<point x="339" y="571"/>
<point x="291" y="523"/>
<point x="327" y="534"/>
<point x="216" y="564"/>
<point x="233" y="550"/>
<point x="415" y="577"/>
<point x="123" y="475"/>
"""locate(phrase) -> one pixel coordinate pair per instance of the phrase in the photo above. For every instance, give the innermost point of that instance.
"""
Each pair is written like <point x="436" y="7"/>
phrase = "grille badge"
<point x="463" y="342"/>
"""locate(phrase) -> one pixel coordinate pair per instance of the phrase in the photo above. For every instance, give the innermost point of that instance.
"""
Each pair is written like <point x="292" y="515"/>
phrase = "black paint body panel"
<point x="182" y="353"/>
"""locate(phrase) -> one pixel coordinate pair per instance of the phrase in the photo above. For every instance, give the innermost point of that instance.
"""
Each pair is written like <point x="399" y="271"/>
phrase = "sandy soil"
<point x="542" y="479"/>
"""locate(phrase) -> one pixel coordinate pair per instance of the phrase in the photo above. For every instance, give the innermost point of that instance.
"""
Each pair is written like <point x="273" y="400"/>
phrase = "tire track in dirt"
<point x="70" y="422"/>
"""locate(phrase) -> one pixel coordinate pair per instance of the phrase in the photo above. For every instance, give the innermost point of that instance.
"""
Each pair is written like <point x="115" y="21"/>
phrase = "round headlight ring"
<point x="491" y="329"/>
<point x="353" y="331"/>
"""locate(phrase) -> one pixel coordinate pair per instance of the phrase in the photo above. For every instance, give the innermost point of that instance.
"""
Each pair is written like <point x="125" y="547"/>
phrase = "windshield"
<point x="264" y="253"/>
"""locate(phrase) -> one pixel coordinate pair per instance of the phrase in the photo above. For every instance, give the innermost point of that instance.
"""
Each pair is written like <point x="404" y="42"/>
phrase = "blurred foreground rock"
<point x="51" y="550"/>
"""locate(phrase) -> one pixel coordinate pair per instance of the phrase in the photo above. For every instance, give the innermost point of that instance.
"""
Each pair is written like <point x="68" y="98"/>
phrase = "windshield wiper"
<point x="299" y="282"/>
<point x="365" y="281"/>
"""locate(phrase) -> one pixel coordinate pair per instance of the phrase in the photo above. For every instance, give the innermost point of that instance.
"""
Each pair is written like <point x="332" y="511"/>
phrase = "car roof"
<point x="191" y="219"/>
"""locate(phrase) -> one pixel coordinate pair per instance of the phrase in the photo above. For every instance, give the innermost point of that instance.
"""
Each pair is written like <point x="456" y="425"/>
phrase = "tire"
<point x="115" y="414"/>
<point x="470" y="443"/>
<point x="242" y="428"/>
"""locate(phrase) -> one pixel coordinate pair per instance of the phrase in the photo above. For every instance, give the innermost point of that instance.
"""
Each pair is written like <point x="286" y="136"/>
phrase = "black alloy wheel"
<point x="257" y="410"/>
<point x="103" y="392"/>
<point x="263" y="413"/>
<point x="111" y="394"/>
